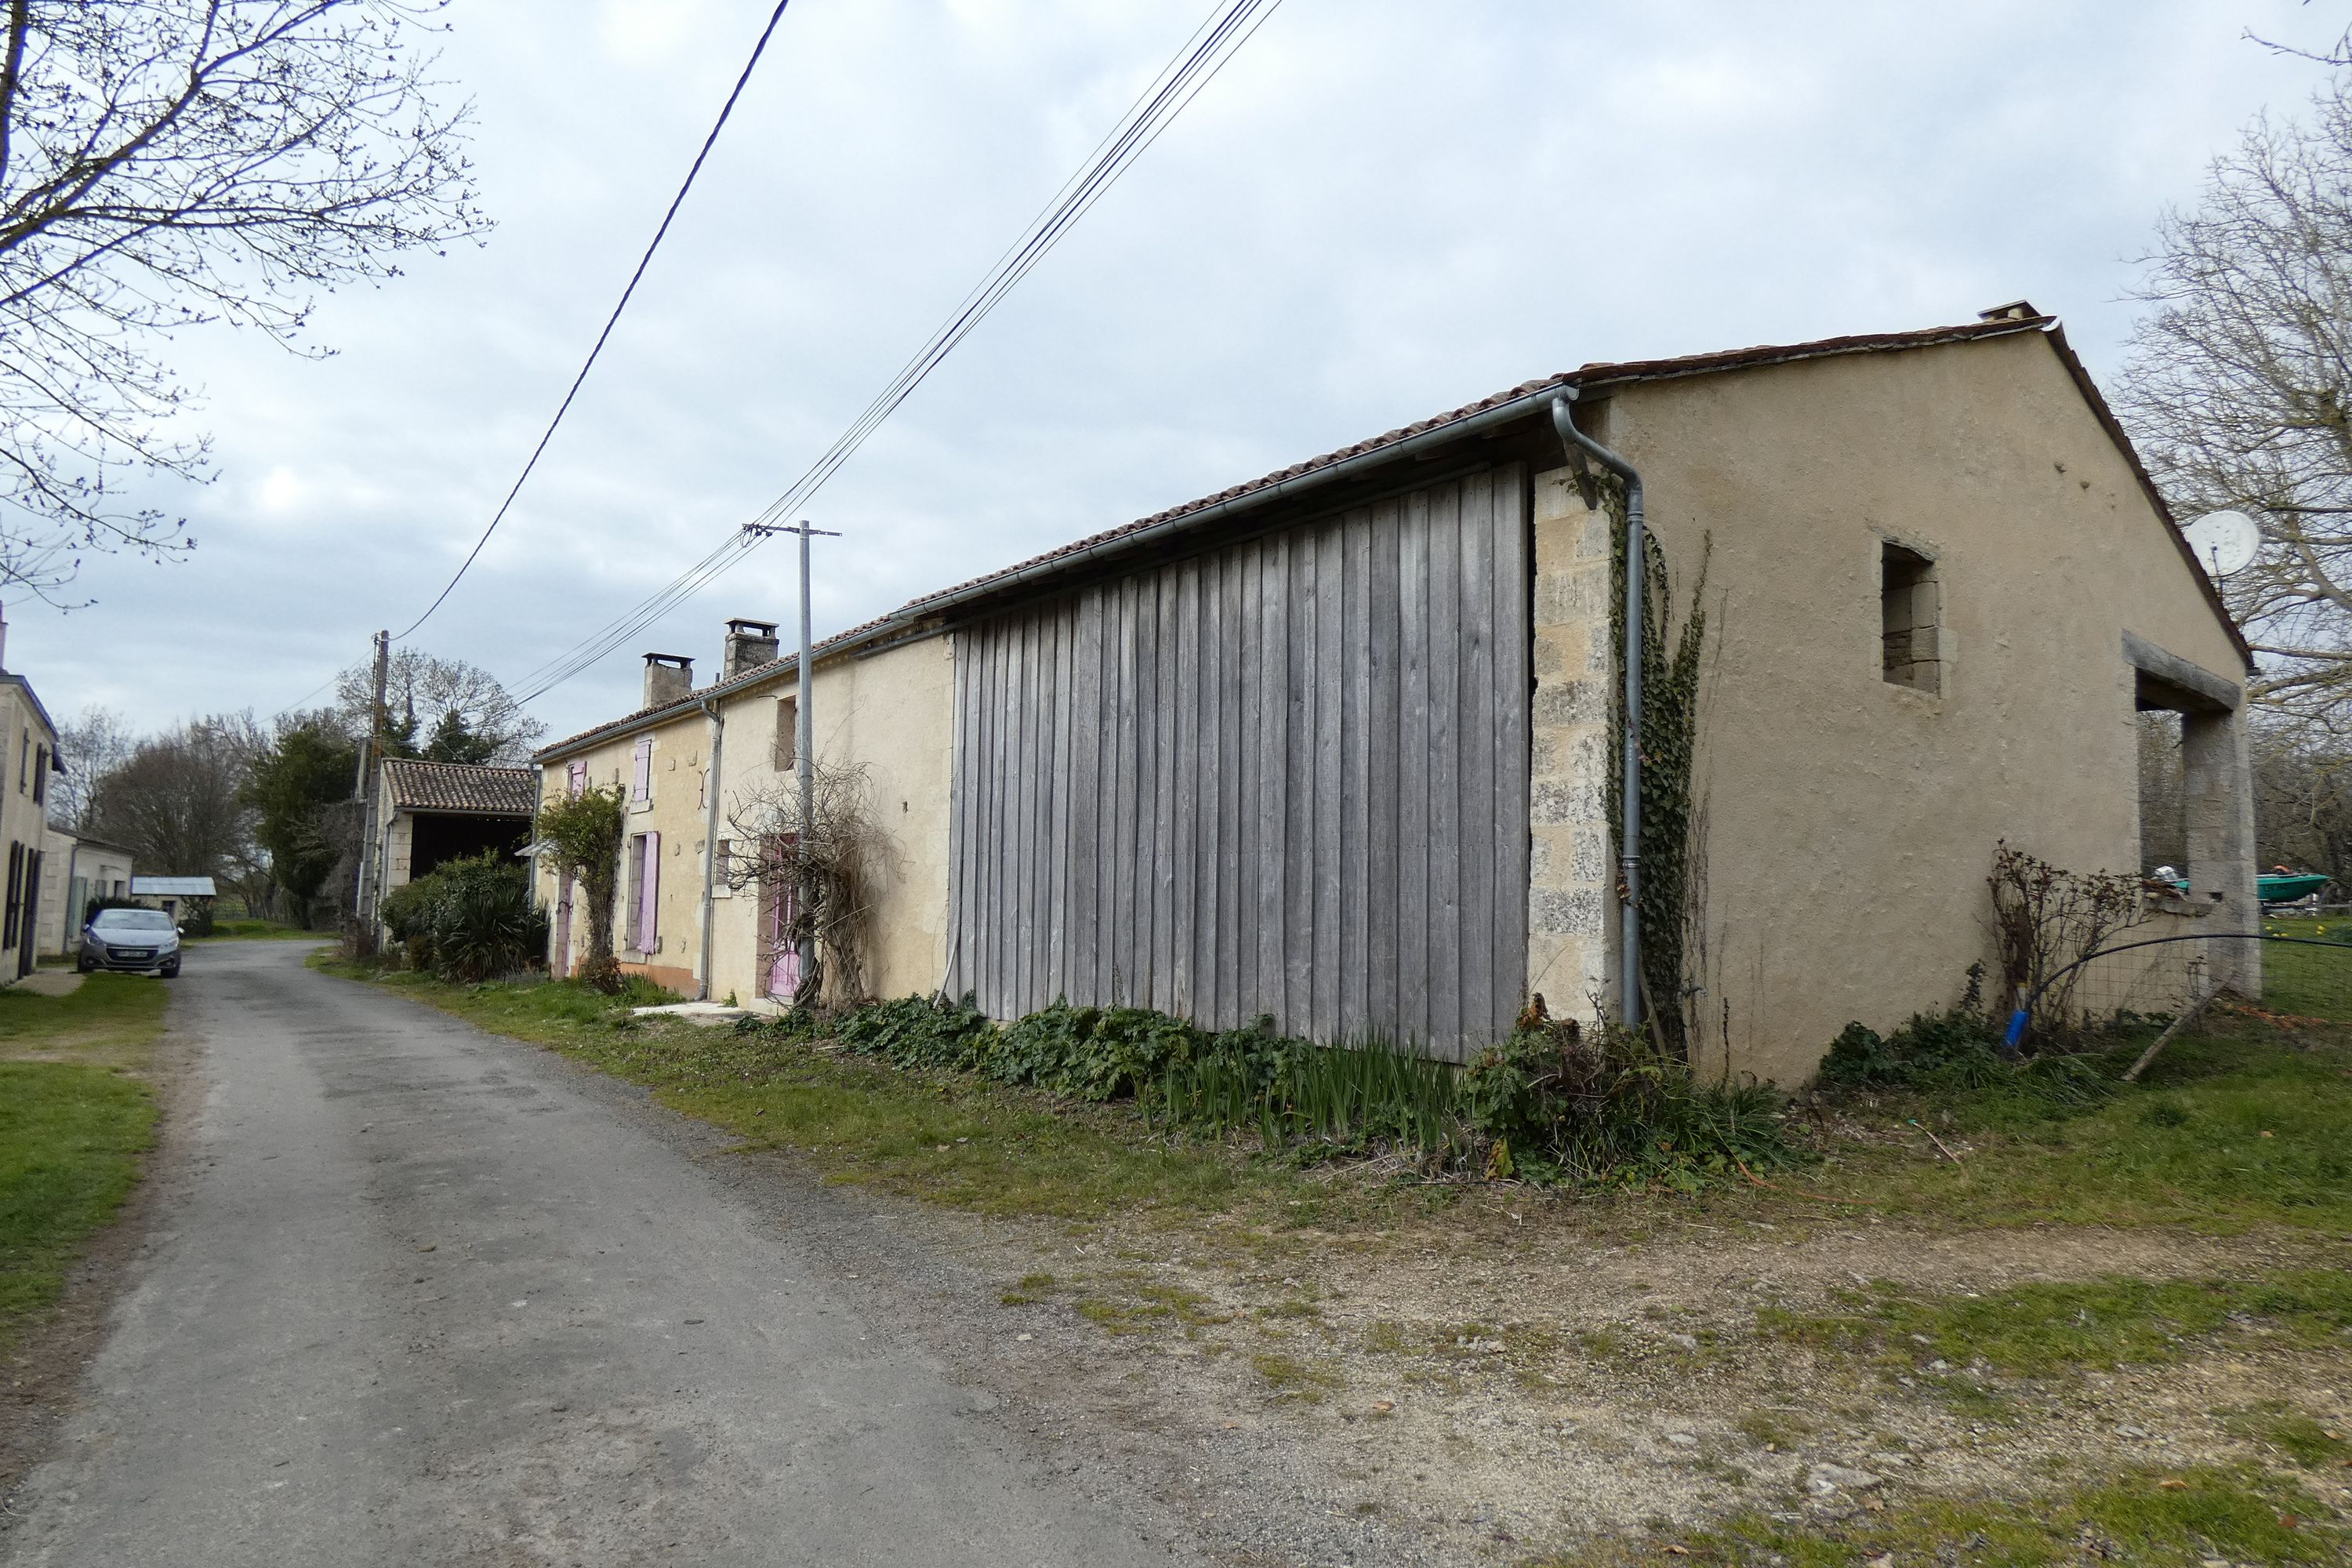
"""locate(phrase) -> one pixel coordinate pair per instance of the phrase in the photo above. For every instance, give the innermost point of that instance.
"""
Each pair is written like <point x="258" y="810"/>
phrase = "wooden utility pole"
<point x="363" y="912"/>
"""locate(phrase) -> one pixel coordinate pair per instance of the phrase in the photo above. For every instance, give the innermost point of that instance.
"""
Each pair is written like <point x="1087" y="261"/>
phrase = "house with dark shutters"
<point x="1334" y="745"/>
<point x="29" y="752"/>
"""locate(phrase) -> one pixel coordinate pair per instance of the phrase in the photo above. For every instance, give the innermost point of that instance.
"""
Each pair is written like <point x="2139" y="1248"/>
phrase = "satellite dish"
<point x="2224" y="541"/>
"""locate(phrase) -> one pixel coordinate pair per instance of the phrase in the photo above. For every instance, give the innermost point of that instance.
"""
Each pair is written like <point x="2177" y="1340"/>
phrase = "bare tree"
<point x="815" y="877"/>
<point x="89" y="746"/>
<point x="178" y="801"/>
<point x="423" y="693"/>
<point x="2240" y="390"/>
<point x="168" y="163"/>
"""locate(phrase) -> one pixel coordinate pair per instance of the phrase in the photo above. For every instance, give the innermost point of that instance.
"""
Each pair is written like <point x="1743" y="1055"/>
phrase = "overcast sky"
<point x="1381" y="210"/>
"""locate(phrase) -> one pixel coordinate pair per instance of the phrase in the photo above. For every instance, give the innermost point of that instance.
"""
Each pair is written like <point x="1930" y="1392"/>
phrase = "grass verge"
<point x="2042" y="1329"/>
<point x="2238" y="1125"/>
<point x="74" y="1120"/>
<point x="2151" y="1518"/>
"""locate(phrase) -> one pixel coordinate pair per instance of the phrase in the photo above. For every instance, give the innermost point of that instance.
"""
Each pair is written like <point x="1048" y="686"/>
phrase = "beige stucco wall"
<point x="891" y="714"/>
<point x="22" y="817"/>
<point x="1851" y="821"/>
<point x="674" y="809"/>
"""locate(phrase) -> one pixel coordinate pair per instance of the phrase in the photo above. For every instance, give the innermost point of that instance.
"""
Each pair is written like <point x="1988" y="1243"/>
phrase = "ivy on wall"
<point x="1670" y="687"/>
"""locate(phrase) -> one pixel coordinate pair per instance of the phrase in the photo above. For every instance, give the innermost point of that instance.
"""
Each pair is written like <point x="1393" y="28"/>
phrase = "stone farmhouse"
<point x="1334" y="745"/>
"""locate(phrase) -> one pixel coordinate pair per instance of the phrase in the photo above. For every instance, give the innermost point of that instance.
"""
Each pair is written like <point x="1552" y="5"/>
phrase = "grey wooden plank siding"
<point x="1287" y="777"/>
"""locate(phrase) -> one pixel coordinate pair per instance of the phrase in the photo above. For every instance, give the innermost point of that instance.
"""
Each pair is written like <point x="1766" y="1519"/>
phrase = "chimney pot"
<point x="750" y="644"/>
<point x="669" y="678"/>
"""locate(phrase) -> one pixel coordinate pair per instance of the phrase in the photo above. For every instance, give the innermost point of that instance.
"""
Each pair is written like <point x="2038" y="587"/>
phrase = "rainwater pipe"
<point x="710" y="840"/>
<point x="1628" y="856"/>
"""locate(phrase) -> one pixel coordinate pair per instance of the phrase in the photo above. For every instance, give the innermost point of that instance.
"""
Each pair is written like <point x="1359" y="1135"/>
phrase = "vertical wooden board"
<point x="1300" y="784"/>
<point x="1008" y="877"/>
<point x="1383" y="890"/>
<point x="1220" y="785"/>
<point x="1020" y="711"/>
<point x="1272" y="716"/>
<point x="991" y="763"/>
<point x="1043" y="908"/>
<point x="1477" y="706"/>
<point x="1142" y="783"/>
<point x="1055" y="917"/>
<point x="1355" y="799"/>
<point x="1331" y="635"/>
<point x="1445" y="767"/>
<point x="1514" y="697"/>
<point x="1167" y="695"/>
<point x="1086" y="793"/>
<point x="1183" y="836"/>
<point x="1248" y="747"/>
<point x="1121" y="938"/>
<point x="1413" y="771"/>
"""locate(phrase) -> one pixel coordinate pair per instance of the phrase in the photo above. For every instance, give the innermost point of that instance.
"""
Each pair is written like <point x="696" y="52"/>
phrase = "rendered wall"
<point x="1851" y="821"/>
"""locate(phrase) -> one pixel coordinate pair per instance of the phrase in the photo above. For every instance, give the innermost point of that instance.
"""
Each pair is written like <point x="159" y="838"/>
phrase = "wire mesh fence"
<point x="2297" y="968"/>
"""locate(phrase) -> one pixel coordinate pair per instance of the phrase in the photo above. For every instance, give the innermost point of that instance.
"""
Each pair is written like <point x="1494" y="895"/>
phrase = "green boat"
<point x="2279" y="887"/>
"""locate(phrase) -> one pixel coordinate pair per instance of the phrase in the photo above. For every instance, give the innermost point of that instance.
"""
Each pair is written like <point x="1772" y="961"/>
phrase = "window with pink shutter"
<point x="641" y="781"/>
<point x="576" y="778"/>
<point x="649" y="895"/>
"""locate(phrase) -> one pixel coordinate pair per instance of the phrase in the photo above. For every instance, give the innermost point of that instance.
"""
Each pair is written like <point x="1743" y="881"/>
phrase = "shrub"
<point x="1546" y="1105"/>
<point x="1958" y="1052"/>
<point x="469" y="921"/>
<point x="1606" y="1106"/>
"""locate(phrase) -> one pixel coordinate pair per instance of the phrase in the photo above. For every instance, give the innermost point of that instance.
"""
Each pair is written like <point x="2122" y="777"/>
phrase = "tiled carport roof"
<point x="461" y="786"/>
<point x="1528" y="399"/>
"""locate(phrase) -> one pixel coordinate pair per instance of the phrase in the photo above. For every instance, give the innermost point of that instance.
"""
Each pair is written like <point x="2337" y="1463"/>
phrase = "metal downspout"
<point x="710" y="841"/>
<point x="1629" y="858"/>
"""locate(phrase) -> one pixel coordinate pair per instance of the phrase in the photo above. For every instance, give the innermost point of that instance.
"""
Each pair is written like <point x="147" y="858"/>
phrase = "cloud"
<point x="1380" y="209"/>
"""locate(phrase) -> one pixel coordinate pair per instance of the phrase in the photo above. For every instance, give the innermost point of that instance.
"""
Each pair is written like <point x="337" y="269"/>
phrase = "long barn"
<point x="1333" y="746"/>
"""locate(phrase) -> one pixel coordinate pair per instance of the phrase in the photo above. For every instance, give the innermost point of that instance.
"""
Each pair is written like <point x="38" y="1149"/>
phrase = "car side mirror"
<point x="179" y="931"/>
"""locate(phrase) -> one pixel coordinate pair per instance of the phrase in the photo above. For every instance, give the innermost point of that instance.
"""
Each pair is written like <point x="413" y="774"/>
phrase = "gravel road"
<point x="416" y="1295"/>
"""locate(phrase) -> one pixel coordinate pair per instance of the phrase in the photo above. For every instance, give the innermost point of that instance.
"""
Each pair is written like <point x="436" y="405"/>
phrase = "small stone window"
<point x="1910" y="610"/>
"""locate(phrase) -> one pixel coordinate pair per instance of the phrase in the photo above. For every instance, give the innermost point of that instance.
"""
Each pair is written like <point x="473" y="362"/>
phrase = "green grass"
<point x="104" y="1016"/>
<point x="2043" y="1328"/>
<point x="73" y="1122"/>
<point x="2148" y="1518"/>
<point x="2238" y="1124"/>
<point x="949" y="1137"/>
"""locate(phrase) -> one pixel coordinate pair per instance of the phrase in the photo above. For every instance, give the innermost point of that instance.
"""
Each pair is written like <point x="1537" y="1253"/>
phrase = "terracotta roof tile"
<point x="461" y="786"/>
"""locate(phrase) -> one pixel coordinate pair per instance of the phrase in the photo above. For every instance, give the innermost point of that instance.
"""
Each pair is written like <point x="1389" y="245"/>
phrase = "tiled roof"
<point x="461" y="786"/>
<point x="1533" y="394"/>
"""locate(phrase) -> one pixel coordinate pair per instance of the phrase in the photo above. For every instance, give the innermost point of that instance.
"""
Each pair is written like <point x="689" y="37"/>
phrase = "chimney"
<point x="750" y="644"/>
<point x="669" y="678"/>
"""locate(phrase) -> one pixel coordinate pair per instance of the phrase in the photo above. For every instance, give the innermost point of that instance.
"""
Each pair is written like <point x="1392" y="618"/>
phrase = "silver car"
<point x="141" y="941"/>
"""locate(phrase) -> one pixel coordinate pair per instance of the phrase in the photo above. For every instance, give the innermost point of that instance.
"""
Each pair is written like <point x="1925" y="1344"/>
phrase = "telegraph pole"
<point x="363" y="933"/>
<point x="804" y="730"/>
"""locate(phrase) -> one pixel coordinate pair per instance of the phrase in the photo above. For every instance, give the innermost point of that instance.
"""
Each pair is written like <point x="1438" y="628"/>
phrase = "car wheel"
<point x="172" y="969"/>
<point x="82" y="965"/>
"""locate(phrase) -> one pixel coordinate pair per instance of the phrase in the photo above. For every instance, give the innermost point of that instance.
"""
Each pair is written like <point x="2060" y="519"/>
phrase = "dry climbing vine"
<point x="1670" y="687"/>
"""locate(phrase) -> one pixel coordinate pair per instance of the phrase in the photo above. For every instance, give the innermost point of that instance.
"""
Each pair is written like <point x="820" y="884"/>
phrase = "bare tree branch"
<point x="170" y="163"/>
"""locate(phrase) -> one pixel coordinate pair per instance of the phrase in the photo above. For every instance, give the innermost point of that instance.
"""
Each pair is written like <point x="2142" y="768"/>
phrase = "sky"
<point x="1381" y="210"/>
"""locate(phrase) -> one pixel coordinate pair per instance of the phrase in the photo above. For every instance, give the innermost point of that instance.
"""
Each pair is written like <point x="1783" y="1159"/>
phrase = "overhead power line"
<point x="1230" y="25"/>
<point x="589" y="364"/>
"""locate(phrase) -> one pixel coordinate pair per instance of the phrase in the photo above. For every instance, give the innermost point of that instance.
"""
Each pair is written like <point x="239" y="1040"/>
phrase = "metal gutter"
<point x="1628" y="848"/>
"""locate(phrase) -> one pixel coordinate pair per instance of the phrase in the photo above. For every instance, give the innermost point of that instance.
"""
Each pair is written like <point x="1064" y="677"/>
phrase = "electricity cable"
<point x="1210" y="46"/>
<point x="634" y="278"/>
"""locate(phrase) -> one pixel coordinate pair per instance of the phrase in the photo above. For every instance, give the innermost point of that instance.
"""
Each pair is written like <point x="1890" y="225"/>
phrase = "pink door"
<point x="777" y="908"/>
<point x="559" y="961"/>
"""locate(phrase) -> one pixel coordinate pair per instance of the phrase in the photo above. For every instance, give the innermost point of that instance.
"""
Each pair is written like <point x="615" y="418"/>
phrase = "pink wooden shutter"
<point x="641" y="785"/>
<point x="576" y="778"/>
<point x="649" y="894"/>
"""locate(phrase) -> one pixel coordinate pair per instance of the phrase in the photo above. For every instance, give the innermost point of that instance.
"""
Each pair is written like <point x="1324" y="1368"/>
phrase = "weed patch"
<point x="2041" y="1330"/>
<point x="2147" y="1517"/>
